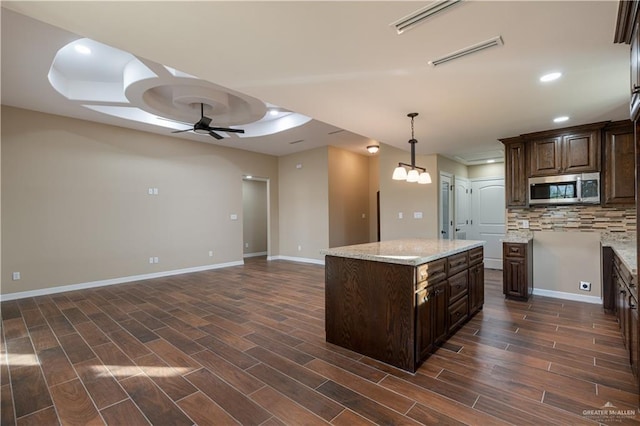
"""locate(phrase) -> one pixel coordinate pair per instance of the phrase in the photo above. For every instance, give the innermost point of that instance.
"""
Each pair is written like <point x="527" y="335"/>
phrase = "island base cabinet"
<point x="369" y="309"/>
<point x="476" y="288"/>
<point x="396" y="313"/>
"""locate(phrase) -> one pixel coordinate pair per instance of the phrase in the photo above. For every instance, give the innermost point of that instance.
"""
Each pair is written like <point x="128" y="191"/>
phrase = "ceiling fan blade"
<point x="215" y="135"/>
<point x="181" y="131"/>
<point x="226" y="129"/>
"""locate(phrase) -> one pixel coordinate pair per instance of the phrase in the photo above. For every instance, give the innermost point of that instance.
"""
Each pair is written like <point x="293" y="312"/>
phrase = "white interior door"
<point x="488" y="218"/>
<point x="462" y="207"/>
<point x="446" y="206"/>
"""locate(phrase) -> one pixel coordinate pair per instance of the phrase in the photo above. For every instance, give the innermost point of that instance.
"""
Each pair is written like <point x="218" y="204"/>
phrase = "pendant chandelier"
<point x="415" y="173"/>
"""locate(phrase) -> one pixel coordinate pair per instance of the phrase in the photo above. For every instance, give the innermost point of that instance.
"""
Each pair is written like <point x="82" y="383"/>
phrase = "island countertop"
<point x="412" y="252"/>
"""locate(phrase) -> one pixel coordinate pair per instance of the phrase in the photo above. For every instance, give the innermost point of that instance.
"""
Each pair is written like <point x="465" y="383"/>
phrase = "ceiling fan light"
<point x="413" y="176"/>
<point x="201" y="131"/>
<point x="424" y="178"/>
<point x="399" y="173"/>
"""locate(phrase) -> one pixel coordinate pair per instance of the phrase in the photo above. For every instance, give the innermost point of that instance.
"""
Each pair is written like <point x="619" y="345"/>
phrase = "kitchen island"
<point x="397" y="301"/>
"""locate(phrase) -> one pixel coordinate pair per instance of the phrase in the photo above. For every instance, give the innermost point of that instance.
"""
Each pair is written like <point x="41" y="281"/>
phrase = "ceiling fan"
<point x="202" y="127"/>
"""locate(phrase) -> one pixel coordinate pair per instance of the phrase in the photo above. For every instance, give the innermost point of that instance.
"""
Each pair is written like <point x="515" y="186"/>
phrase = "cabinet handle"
<point x="623" y="292"/>
<point x="636" y="89"/>
<point x="632" y="306"/>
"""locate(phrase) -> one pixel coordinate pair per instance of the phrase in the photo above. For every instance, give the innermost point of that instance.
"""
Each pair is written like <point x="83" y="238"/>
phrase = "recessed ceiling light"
<point x="249" y="177"/>
<point x="550" y="77"/>
<point x="82" y="49"/>
<point x="491" y="161"/>
<point x="560" y="119"/>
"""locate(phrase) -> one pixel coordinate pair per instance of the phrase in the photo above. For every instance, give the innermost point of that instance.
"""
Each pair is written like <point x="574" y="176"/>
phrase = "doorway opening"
<point x="255" y="217"/>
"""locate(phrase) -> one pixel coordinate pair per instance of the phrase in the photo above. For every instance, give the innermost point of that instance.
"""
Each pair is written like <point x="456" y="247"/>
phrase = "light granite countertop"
<point x="412" y="252"/>
<point x="627" y="252"/>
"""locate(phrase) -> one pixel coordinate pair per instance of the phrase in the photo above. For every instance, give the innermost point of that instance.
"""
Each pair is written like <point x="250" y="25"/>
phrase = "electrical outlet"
<point x="246" y="245"/>
<point x="585" y="286"/>
<point x="210" y="253"/>
<point x="299" y="248"/>
<point x="156" y="260"/>
<point x="15" y="276"/>
<point x="151" y="260"/>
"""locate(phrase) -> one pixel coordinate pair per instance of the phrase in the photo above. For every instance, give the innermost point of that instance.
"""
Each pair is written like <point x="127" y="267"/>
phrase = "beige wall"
<point x="562" y="260"/>
<point x="75" y="207"/>
<point x="304" y="203"/>
<point x="374" y="187"/>
<point x="348" y="198"/>
<point x="254" y="216"/>
<point x="452" y="167"/>
<point x="400" y="196"/>
<point x="494" y="170"/>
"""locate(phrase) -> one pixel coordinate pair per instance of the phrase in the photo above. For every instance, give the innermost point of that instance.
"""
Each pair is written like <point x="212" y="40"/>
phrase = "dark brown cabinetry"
<point x="618" y="167"/>
<point x="628" y="31"/>
<point x="620" y="297"/>
<point x="516" y="172"/>
<point x="399" y="314"/>
<point x="577" y="151"/>
<point x="517" y="270"/>
<point x="476" y="280"/>
<point x="431" y="318"/>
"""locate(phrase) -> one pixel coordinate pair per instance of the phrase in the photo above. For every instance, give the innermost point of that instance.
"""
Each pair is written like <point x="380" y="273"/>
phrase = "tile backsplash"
<point x="588" y="218"/>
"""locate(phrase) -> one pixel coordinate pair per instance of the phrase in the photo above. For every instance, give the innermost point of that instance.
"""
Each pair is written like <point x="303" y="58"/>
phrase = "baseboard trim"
<point x="113" y="281"/>
<point x="260" y="253"/>
<point x="297" y="259"/>
<point x="567" y="296"/>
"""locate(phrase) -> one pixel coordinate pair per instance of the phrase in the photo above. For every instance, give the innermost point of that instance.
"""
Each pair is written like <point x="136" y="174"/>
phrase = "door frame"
<point x="449" y="178"/>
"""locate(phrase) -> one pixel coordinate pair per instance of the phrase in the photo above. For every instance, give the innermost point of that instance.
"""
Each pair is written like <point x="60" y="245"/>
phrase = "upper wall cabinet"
<point x="571" y="151"/>
<point x="515" y="172"/>
<point x="627" y="31"/>
<point x="579" y="149"/>
<point x="618" y="167"/>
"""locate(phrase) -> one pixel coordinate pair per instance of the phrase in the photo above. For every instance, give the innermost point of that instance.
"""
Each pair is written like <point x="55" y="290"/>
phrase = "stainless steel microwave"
<point x="565" y="189"/>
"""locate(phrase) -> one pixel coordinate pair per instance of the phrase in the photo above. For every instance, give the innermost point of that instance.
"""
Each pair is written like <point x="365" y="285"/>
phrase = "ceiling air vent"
<point x="295" y="142"/>
<point x="413" y="19"/>
<point x="495" y="41"/>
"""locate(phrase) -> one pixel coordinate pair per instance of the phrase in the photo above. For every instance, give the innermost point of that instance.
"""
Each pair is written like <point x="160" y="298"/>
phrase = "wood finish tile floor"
<point x="245" y="345"/>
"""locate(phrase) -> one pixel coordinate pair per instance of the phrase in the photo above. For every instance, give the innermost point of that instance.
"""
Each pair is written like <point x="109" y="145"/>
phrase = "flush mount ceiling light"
<point x="82" y="49"/>
<point x="492" y="42"/>
<point x="550" y="77"/>
<point x="560" y="119"/>
<point x="373" y="148"/>
<point x="416" y="173"/>
<point x="413" y="19"/>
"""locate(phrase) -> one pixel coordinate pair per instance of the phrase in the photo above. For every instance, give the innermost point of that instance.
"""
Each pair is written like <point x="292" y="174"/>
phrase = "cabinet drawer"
<point x="514" y="249"/>
<point x="458" y="313"/>
<point x="458" y="286"/>
<point x="457" y="262"/>
<point x="476" y="255"/>
<point x="434" y="272"/>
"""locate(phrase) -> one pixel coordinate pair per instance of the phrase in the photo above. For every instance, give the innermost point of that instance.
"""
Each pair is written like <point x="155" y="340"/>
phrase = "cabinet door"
<point x="545" y="156"/>
<point x="431" y="319"/>
<point x="514" y="277"/>
<point x="424" y="323"/>
<point x="581" y="152"/>
<point x="440" y="318"/>
<point x="516" y="175"/>
<point x="633" y="334"/>
<point x="618" y="179"/>
<point x="476" y="288"/>
<point x="622" y="308"/>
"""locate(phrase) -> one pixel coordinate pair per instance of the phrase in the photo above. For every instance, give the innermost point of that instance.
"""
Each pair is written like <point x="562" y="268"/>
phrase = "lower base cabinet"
<point x="400" y="314"/>
<point x="621" y="299"/>
<point x="517" y="270"/>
